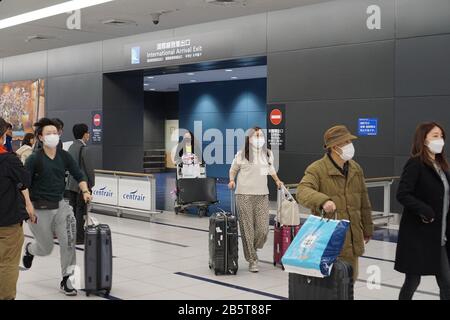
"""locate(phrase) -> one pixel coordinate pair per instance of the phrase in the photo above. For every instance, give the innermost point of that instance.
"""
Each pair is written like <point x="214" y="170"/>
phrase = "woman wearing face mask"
<point x="423" y="191"/>
<point x="187" y="148"/>
<point x="336" y="185"/>
<point x="251" y="166"/>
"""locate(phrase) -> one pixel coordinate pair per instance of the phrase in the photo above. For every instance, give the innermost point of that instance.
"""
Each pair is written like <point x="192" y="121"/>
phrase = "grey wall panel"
<point x="423" y="66"/>
<point x="83" y="91"/>
<point x="292" y="165"/>
<point x="419" y="17"/>
<point x="376" y="166"/>
<point x="123" y="111"/>
<point x="354" y="71"/>
<point x="306" y="124"/>
<point x="114" y="56"/>
<point x="409" y="112"/>
<point x="326" y="24"/>
<point x="25" y="67"/>
<point x="123" y="158"/>
<point x="243" y="36"/>
<point x="82" y="58"/>
<point x="1" y="70"/>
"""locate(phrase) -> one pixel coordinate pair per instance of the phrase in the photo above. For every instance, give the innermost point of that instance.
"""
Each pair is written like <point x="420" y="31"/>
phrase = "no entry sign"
<point x="97" y="120"/>
<point x="97" y="127"/>
<point x="276" y="119"/>
<point x="276" y="116"/>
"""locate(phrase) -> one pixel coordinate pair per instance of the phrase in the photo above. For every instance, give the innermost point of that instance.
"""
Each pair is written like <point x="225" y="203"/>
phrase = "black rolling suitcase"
<point x="338" y="286"/>
<point x="97" y="259"/>
<point x="223" y="243"/>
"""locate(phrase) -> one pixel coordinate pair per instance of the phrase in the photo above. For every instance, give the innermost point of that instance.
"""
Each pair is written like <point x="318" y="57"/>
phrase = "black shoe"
<point x="27" y="259"/>
<point x="66" y="287"/>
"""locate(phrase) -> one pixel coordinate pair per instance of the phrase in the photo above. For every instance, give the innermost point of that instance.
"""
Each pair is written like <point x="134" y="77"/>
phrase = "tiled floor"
<point x="168" y="259"/>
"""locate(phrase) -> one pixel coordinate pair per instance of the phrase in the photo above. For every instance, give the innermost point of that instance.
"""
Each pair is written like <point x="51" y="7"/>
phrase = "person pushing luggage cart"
<point x="194" y="188"/>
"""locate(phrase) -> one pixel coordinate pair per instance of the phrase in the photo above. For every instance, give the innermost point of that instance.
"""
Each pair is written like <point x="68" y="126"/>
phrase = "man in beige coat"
<point x="336" y="184"/>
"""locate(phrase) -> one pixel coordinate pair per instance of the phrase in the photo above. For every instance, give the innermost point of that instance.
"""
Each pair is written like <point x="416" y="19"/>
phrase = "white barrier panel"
<point x="105" y="190"/>
<point x="135" y="193"/>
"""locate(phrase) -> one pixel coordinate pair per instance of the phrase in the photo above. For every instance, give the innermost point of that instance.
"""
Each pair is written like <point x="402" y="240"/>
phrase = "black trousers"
<point x="80" y="211"/>
<point x="443" y="280"/>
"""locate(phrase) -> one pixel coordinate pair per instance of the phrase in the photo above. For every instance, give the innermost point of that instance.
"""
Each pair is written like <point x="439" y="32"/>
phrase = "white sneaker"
<point x="253" y="266"/>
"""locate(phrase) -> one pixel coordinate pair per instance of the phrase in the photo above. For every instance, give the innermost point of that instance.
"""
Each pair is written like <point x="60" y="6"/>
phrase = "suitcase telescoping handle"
<point x="233" y="202"/>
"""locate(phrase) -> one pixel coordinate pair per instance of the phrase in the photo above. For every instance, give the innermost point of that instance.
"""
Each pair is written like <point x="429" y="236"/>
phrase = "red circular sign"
<point x="97" y="120"/>
<point x="276" y="117"/>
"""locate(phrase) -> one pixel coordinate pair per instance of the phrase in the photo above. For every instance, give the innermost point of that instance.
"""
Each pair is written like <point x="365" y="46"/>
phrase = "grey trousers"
<point x="253" y="215"/>
<point x="60" y="222"/>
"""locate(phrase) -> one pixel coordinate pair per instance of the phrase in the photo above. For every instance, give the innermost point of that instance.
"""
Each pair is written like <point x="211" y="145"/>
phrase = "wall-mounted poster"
<point x="22" y="103"/>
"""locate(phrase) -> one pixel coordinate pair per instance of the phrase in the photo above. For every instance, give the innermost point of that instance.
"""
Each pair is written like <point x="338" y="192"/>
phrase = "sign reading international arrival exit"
<point x="367" y="126"/>
<point x="276" y="128"/>
<point x="206" y="46"/>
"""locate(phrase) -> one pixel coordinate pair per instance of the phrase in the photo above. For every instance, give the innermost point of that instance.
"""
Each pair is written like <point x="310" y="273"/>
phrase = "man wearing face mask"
<point x="54" y="215"/>
<point x="336" y="185"/>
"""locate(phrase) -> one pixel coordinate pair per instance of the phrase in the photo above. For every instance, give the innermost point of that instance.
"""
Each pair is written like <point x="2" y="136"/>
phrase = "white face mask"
<point x="348" y="152"/>
<point x="51" y="141"/>
<point x="436" y="145"/>
<point x="258" y="142"/>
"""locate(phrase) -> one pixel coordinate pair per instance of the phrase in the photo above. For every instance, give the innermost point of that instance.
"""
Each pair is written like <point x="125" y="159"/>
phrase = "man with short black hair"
<point x="82" y="155"/>
<point x="47" y="168"/>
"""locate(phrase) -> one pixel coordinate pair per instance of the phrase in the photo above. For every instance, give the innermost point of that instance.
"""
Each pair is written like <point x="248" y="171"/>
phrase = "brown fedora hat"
<point x="337" y="135"/>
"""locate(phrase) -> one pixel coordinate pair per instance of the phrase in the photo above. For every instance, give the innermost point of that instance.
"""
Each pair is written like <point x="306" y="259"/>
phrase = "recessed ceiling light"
<point x="152" y="89"/>
<point x="146" y="84"/>
<point x="193" y="80"/>
<point x="150" y="77"/>
<point x="50" y="11"/>
<point x="191" y="74"/>
<point x="234" y="78"/>
<point x="228" y="70"/>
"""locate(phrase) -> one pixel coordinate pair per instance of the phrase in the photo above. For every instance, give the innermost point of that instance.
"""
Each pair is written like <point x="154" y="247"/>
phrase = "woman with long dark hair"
<point x="251" y="166"/>
<point x="424" y="192"/>
<point x="188" y="146"/>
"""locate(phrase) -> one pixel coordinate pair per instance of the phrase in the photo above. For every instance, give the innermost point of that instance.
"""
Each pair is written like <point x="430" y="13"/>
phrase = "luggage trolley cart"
<point x="194" y="188"/>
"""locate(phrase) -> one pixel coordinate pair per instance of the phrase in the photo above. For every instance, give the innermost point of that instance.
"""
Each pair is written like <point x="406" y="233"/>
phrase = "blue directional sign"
<point x="367" y="126"/>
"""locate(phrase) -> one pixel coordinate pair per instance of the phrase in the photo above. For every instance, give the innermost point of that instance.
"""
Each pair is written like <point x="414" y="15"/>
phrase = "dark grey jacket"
<point x="86" y="165"/>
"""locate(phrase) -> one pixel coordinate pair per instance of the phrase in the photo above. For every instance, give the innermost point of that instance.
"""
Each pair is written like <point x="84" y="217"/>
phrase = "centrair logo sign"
<point x="134" y="195"/>
<point x="103" y="192"/>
